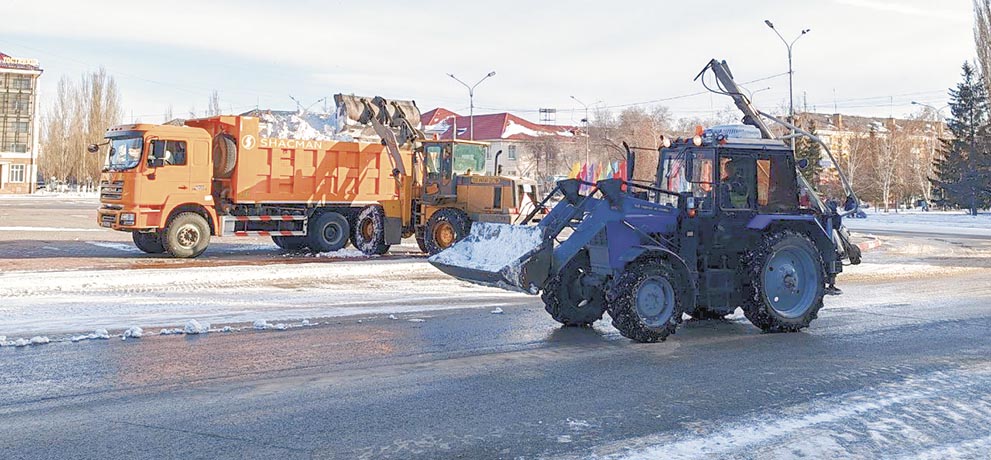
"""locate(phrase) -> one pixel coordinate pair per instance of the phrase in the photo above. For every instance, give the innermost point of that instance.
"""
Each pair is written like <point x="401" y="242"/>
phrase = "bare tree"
<point x="982" y="38"/>
<point x="56" y="159"/>
<point x="214" y="108"/>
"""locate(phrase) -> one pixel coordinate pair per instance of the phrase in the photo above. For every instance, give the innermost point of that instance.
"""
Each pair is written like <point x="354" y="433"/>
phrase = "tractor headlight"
<point x="127" y="218"/>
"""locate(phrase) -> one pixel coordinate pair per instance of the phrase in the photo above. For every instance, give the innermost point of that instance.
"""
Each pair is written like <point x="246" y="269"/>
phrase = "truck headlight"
<point x="127" y="218"/>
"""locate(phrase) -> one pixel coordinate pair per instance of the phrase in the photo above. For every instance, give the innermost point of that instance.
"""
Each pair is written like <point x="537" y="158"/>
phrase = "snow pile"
<point x="39" y="340"/>
<point x="496" y="311"/>
<point x="21" y="343"/>
<point x="3" y="340"/>
<point x="194" y="327"/>
<point x="513" y="129"/>
<point x="261" y="325"/>
<point x="300" y="126"/>
<point x="175" y="331"/>
<point x="133" y="332"/>
<point x="491" y="247"/>
<point x="101" y="334"/>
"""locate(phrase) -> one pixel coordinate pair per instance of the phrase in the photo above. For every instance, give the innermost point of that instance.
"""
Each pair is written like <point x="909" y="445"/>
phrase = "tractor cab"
<point x="445" y="160"/>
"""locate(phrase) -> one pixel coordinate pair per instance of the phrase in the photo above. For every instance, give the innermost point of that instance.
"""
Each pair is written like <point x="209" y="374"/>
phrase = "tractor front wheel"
<point x="186" y="236"/>
<point x="569" y="300"/>
<point x="647" y="302"/>
<point x="787" y="283"/>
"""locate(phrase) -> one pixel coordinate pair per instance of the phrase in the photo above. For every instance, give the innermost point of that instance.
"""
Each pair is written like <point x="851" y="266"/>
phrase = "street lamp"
<point x="586" y="126"/>
<point x="471" y="103"/>
<point x="791" y="74"/>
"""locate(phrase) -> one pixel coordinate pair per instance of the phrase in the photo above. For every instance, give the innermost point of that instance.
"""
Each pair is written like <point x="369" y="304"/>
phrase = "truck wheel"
<point x="705" y="314"/>
<point x="787" y="283"/>
<point x="289" y="243"/>
<point x="369" y="231"/>
<point x="224" y="155"/>
<point x="148" y="242"/>
<point x="421" y="242"/>
<point x="187" y="235"/>
<point x="444" y="228"/>
<point x="568" y="301"/>
<point x="647" y="302"/>
<point x="328" y="232"/>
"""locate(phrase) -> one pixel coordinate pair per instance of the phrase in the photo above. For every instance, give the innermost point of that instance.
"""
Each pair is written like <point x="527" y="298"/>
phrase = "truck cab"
<point x="150" y="170"/>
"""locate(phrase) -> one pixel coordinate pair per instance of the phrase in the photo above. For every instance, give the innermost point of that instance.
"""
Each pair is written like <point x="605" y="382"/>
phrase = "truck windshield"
<point x="124" y="153"/>
<point x="469" y="157"/>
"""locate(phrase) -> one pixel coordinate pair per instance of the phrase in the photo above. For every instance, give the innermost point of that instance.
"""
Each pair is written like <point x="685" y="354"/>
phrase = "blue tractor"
<point x="721" y="226"/>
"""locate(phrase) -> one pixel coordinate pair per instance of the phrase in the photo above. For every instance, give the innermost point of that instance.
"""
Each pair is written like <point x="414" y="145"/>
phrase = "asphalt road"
<point x="898" y="366"/>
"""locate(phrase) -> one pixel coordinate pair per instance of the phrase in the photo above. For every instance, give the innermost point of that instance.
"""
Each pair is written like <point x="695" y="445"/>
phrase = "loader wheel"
<point x="369" y="231"/>
<point x="186" y="236"/>
<point x="328" y="232"/>
<point x="289" y="243"/>
<point x="569" y="301"/>
<point x="787" y="282"/>
<point x="444" y="228"/>
<point x="150" y="243"/>
<point x="647" y="302"/>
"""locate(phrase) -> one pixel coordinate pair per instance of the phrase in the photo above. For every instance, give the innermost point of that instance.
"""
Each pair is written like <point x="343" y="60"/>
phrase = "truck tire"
<point x="328" y="232"/>
<point x="224" y="155"/>
<point x="186" y="236"/>
<point x="150" y="243"/>
<point x="567" y="301"/>
<point x="444" y="228"/>
<point x="290" y="243"/>
<point x="787" y="282"/>
<point x="647" y="302"/>
<point x="369" y="231"/>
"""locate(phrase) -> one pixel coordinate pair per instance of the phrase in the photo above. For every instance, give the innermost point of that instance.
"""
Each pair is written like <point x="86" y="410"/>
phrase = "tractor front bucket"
<point x="511" y="257"/>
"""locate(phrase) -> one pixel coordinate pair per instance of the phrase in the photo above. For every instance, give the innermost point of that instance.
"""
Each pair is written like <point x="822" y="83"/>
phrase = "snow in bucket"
<point x="491" y="247"/>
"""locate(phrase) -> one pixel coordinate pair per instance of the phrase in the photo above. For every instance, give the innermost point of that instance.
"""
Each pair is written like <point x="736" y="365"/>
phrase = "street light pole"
<point x="791" y="75"/>
<point x="586" y="120"/>
<point x="471" y="103"/>
<point x="937" y="134"/>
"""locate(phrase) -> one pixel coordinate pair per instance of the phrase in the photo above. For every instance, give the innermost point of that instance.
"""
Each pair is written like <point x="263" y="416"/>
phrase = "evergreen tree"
<point x="963" y="170"/>
<point x="812" y="151"/>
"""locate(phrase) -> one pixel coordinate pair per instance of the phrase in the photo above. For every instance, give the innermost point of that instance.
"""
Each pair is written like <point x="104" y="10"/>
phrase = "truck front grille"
<point x="108" y="219"/>
<point x="111" y="190"/>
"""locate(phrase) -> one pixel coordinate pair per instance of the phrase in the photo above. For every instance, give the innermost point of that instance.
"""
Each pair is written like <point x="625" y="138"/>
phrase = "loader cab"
<point x="445" y="161"/>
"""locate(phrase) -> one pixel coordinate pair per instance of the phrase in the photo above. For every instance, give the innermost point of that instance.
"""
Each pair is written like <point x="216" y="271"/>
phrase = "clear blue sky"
<point x="618" y="52"/>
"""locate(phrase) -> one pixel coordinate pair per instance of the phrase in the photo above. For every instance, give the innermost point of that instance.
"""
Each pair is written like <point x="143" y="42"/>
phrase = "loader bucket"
<point x="513" y="257"/>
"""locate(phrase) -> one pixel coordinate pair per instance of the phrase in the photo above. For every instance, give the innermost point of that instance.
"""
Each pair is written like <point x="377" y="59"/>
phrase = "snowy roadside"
<point x="72" y="302"/>
<point x="949" y="223"/>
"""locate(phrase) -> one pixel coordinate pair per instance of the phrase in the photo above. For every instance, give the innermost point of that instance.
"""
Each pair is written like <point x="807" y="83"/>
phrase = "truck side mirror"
<point x="157" y="158"/>
<point x="93" y="148"/>
<point x="803" y="163"/>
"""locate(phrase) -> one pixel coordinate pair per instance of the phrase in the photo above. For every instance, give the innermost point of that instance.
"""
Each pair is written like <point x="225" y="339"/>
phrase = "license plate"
<point x="106" y="224"/>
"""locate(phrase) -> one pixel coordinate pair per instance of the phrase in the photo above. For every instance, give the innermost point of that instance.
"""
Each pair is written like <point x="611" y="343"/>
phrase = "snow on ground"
<point x="50" y="229"/>
<point x="69" y="302"/>
<point x="950" y="222"/>
<point x="935" y="415"/>
<point x="302" y="126"/>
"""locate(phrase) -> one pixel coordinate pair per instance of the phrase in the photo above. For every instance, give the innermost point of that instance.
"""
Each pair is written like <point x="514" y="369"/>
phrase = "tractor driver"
<point x="734" y="192"/>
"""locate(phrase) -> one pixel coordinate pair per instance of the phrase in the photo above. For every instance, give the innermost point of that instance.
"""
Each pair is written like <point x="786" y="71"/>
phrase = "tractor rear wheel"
<point x="368" y="235"/>
<point x="444" y="228"/>
<point x="150" y="243"/>
<point x="568" y="300"/>
<point x="647" y="302"/>
<point x="787" y="283"/>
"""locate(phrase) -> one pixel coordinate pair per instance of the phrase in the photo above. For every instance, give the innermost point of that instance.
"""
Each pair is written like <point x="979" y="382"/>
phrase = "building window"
<point x="22" y="83"/>
<point x="18" y="148"/>
<point x="21" y="127"/>
<point x="511" y="152"/>
<point x="17" y="173"/>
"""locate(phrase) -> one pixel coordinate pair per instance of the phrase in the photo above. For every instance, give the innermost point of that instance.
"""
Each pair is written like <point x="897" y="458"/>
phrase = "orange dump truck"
<point x="175" y="186"/>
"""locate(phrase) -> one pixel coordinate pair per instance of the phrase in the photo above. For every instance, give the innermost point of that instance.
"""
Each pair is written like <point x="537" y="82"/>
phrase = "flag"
<point x="576" y="169"/>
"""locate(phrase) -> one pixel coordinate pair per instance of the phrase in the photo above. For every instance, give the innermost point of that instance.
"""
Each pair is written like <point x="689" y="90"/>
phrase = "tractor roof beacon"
<point x="727" y="222"/>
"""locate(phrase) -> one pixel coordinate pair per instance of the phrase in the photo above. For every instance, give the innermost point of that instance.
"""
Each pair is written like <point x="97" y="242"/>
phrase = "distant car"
<point x="860" y="214"/>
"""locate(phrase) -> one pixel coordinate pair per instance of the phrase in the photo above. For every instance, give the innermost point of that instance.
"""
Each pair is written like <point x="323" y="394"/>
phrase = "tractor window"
<point x="469" y="158"/>
<point x="702" y="172"/>
<point x="777" y="190"/>
<point x="737" y="174"/>
<point x="174" y="152"/>
<point x="675" y="172"/>
<point x="431" y="160"/>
